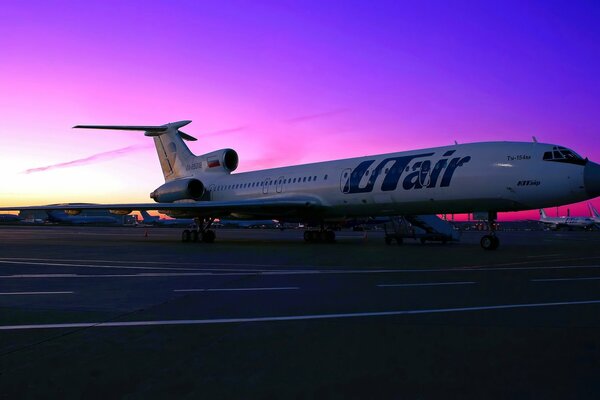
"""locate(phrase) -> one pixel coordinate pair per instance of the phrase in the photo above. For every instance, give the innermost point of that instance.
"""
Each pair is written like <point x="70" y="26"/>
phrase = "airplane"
<point x="156" y="220"/>
<point x="486" y="177"/>
<point x="251" y="223"/>
<point x="9" y="218"/>
<point x="595" y="214"/>
<point x="556" y="223"/>
<point x="62" y="217"/>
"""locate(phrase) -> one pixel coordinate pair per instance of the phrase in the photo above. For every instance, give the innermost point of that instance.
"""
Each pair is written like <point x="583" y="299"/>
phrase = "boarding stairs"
<point x="422" y="227"/>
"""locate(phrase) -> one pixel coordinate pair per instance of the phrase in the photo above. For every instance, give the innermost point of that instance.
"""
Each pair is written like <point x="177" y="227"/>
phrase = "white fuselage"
<point x="493" y="176"/>
<point x="568" y="222"/>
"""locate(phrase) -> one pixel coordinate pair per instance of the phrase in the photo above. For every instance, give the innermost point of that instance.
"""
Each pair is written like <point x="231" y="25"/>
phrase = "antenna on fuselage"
<point x="534" y="139"/>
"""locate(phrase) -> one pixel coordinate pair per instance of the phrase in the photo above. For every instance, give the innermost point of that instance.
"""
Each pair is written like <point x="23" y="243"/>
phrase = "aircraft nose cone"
<point x="591" y="179"/>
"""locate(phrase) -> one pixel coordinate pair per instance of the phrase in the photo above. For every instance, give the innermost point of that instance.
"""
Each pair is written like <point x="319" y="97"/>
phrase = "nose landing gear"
<point x="490" y="241"/>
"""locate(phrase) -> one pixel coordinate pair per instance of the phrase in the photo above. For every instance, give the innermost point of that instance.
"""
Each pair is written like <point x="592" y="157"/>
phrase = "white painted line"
<point x="31" y="293"/>
<point x="55" y="264"/>
<point x="425" y="284"/>
<point x="237" y="289"/>
<point x="545" y="255"/>
<point x="290" y="317"/>
<point x="269" y="267"/>
<point x="594" y="278"/>
<point x="283" y="272"/>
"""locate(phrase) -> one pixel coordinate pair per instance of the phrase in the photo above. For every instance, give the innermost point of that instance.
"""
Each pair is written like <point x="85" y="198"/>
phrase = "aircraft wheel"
<point x="318" y="236"/>
<point x="186" y="235"/>
<point x="194" y="236"/>
<point x="209" y="236"/>
<point x="489" y="242"/>
<point x="308" y="236"/>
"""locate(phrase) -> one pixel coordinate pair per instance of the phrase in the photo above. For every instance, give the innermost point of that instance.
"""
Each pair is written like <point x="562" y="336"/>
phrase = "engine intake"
<point x="220" y="160"/>
<point x="230" y="160"/>
<point x="180" y="189"/>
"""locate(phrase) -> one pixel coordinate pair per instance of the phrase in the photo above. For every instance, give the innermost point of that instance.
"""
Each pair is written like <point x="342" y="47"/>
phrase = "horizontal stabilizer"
<point x="150" y="130"/>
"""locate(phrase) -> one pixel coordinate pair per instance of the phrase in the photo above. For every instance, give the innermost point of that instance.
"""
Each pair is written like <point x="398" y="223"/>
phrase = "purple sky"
<point x="282" y="83"/>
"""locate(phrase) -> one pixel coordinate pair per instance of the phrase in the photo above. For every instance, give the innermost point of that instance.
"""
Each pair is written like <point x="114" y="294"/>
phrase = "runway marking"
<point x="593" y="278"/>
<point x="282" y="272"/>
<point x="54" y="264"/>
<point x="219" y="264"/>
<point x="30" y="293"/>
<point x="291" y="317"/>
<point x="424" y="284"/>
<point x="545" y="255"/>
<point x="237" y="289"/>
<point x="284" y="269"/>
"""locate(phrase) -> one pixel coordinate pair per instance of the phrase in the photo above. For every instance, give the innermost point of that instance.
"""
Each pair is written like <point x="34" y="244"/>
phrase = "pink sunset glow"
<point x="282" y="83"/>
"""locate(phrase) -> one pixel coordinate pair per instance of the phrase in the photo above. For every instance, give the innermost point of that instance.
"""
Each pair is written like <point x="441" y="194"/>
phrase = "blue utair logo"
<point x="420" y="175"/>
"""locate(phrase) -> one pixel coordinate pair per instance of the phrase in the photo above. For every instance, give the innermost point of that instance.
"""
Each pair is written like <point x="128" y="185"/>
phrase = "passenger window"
<point x="548" y="155"/>
<point x="309" y="178"/>
<point x="325" y="178"/>
<point x="304" y="179"/>
<point x="314" y="178"/>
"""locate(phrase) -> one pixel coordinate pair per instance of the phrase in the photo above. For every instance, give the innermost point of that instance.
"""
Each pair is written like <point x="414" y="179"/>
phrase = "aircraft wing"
<point x="281" y="206"/>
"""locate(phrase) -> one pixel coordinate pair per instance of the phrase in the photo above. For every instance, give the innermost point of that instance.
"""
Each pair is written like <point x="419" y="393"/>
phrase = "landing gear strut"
<point x="491" y="241"/>
<point x="321" y="235"/>
<point x="202" y="233"/>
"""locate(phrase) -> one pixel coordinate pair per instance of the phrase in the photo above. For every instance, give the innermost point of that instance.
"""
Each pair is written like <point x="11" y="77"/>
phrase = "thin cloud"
<point x="225" y="131"/>
<point x="107" y="155"/>
<point x="308" y="117"/>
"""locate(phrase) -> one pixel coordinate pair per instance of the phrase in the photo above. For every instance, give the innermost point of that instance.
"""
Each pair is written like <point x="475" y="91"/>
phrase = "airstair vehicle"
<point x="420" y="227"/>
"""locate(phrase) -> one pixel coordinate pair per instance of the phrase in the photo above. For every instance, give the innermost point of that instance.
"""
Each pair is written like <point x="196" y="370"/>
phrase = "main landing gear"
<point x="202" y="233"/>
<point x="490" y="241"/>
<point x="318" y="236"/>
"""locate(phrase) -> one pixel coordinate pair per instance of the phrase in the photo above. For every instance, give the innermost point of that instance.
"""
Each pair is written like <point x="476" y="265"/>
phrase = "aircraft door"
<point x="266" y="184"/>
<point x="279" y="184"/>
<point x="345" y="180"/>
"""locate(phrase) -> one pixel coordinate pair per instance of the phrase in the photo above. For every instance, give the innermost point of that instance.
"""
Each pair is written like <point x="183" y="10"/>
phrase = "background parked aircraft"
<point x="62" y="217"/>
<point x="566" y="222"/>
<point x="595" y="215"/>
<point x="9" y="218"/>
<point x="157" y="220"/>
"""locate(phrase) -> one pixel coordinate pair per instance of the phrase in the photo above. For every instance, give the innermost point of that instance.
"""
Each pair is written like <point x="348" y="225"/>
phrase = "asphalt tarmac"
<point x="100" y="312"/>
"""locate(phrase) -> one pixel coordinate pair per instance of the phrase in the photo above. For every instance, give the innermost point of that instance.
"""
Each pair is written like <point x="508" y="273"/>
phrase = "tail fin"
<point x="543" y="214"/>
<point x="594" y="211"/>
<point x="145" y="216"/>
<point x="173" y="153"/>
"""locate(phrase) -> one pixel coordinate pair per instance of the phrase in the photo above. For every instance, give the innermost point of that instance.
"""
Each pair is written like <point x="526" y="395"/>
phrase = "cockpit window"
<point x="564" y="155"/>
